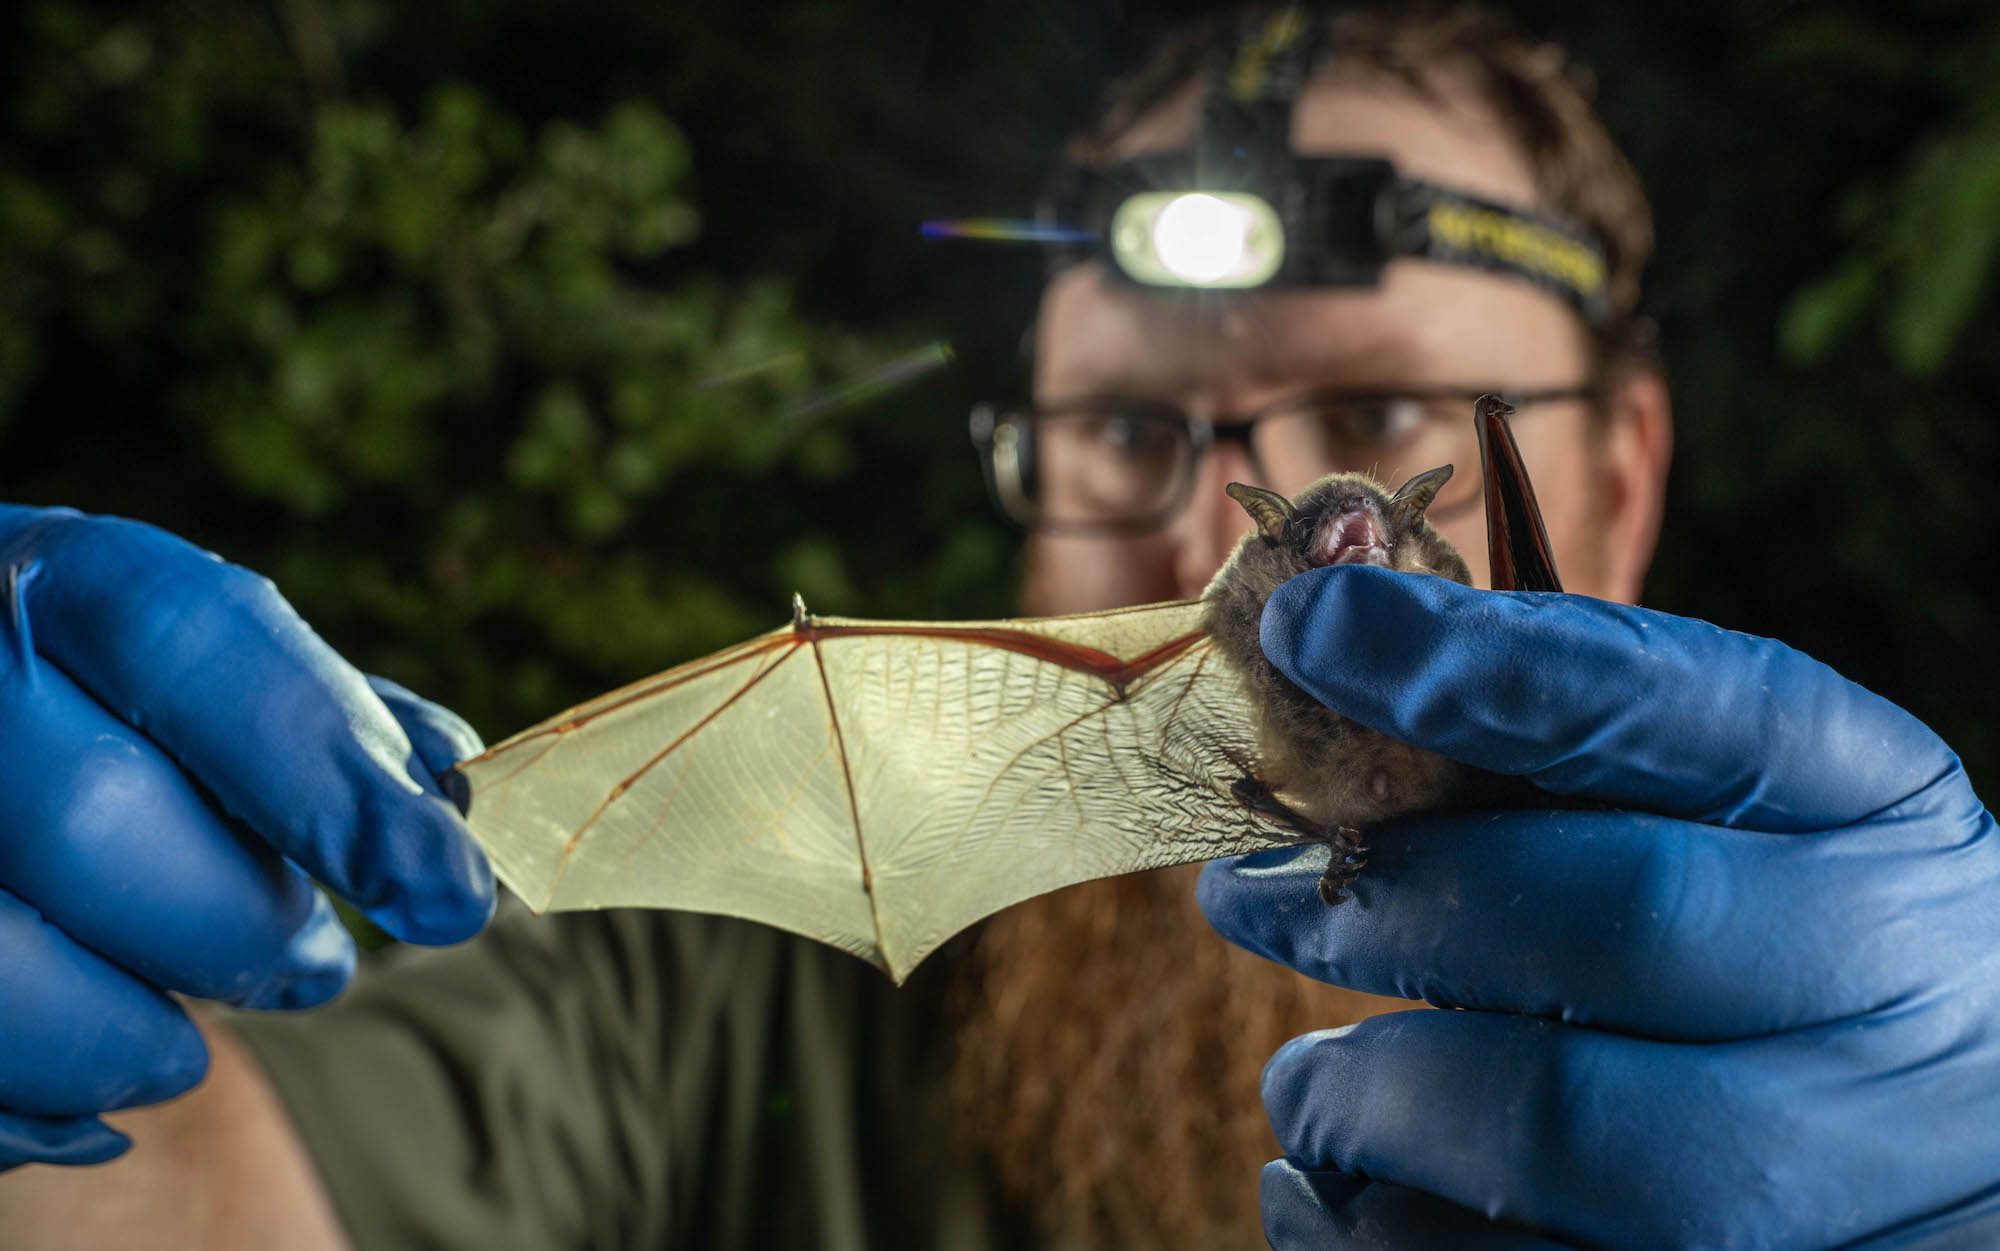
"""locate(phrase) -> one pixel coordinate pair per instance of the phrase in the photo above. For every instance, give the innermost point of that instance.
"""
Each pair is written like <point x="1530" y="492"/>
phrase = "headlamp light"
<point x="1220" y="240"/>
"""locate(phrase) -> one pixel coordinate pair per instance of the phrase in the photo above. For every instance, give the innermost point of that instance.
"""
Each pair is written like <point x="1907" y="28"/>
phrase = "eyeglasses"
<point x="1112" y="465"/>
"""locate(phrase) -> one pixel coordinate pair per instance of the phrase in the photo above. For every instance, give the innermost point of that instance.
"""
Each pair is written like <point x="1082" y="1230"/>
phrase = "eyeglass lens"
<point x="1119" y="465"/>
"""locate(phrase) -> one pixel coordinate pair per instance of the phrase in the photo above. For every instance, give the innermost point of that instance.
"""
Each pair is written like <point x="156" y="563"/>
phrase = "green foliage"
<point x="448" y="374"/>
<point x="1926" y="237"/>
<point x="1926" y="261"/>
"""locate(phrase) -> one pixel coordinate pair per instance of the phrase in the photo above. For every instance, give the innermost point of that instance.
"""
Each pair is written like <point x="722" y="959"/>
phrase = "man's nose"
<point x="1207" y="530"/>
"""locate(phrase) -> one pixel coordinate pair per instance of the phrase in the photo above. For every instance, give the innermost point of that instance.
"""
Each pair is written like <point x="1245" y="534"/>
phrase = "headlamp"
<point x="1239" y="210"/>
<point x="1227" y="239"/>
<point x="1310" y="221"/>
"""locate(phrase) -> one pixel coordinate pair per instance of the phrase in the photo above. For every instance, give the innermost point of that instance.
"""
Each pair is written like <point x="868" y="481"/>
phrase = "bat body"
<point x="1317" y="772"/>
<point x="881" y="785"/>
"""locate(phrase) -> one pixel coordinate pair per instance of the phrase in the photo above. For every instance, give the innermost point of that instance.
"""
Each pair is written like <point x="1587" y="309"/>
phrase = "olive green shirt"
<point x="632" y="1079"/>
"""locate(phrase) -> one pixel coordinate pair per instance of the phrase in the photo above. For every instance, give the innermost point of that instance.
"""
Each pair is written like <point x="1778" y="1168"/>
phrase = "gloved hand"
<point x="1758" y="1007"/>
<point x="178" y="751"/>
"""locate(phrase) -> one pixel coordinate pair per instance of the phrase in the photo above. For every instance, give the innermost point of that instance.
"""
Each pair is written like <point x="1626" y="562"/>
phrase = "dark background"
<point x="529" y="345"/>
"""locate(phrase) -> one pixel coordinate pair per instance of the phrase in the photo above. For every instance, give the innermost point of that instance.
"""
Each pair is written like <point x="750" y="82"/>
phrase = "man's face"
<point x="1070" y="1070"/>
<point x="1425" y="326"/>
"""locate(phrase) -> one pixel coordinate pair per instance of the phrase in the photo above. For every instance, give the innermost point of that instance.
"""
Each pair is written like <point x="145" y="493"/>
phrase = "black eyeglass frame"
<point x="989" y="429"/>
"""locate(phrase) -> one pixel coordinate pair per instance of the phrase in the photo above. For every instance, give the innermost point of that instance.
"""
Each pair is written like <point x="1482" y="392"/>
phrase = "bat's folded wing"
<point x="880" y="786"/>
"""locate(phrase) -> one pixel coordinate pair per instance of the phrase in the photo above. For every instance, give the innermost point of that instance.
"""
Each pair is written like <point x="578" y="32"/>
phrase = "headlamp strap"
<point x="1252" y="86"/>
<point x="1444" y="225"/>
<point x="1253" y="80"/>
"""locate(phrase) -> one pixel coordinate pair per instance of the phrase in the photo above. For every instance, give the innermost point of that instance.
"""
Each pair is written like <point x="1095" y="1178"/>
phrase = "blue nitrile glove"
<point x="177" y="751"/>
<point x="1759" y="1007"/>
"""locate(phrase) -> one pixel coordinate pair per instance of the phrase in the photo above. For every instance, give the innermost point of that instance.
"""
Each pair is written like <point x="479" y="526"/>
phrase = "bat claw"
<point x="1333" y="888"/>
<point x="1344" y="867"/>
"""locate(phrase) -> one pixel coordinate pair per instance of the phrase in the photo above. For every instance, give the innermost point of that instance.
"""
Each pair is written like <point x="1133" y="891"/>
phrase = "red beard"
<point x="1109" y="1055"/>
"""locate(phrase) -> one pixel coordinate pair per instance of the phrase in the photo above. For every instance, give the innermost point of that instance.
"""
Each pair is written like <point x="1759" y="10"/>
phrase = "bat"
<point x="881" y="785"/>
<point x="1317" y="773"/>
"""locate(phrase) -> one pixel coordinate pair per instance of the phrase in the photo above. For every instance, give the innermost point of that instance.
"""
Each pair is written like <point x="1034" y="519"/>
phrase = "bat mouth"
<point x="1352" y="535"/>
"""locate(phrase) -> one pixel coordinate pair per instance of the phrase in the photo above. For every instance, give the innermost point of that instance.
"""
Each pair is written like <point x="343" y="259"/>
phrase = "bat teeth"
<point x="1352" y="534"/>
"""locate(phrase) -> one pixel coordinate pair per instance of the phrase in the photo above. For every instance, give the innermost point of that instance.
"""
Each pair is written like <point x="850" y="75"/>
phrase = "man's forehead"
<point x="1099" y="335"/>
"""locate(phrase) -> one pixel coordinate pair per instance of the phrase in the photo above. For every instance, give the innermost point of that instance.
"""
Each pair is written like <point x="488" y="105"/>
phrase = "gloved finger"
<point x="83" y="1037"/>
<point x="440" y="736"/>
<point x="110" y="841"/>
<point x="1632" y="707"/>
<point x="318" y="959"/>
<point x="1307" y="1211"/>
<point x="57" y="1140"/>
<point x="211" y="663"/>
<point x="1589" y="1136"/>
<point x="1625" y="921"/>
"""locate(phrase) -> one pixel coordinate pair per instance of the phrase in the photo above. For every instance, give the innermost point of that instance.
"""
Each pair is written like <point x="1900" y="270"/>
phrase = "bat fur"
<point x="1324" y="776"/>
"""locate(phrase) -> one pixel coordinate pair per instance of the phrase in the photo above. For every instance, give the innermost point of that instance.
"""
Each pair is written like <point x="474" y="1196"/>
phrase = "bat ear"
<point x="1268" y="509"/>
<point x="1414" y="496"/>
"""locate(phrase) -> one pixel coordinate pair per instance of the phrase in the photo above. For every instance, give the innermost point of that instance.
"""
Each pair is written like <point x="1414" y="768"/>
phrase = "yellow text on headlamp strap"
<point x="1538" y="249"/>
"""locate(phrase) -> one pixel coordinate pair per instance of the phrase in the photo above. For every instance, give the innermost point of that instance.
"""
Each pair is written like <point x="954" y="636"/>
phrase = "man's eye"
<point x="1129" y="436"/>
<point x="1371" y="421"/>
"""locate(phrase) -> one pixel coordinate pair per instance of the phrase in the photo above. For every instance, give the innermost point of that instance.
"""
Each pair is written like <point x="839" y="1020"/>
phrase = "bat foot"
<point x="1343" y="868"/>
<point x="1344" y="842"/>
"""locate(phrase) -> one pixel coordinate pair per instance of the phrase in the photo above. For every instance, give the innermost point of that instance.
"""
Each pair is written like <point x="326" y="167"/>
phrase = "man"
<point x="1696" y="1011"/>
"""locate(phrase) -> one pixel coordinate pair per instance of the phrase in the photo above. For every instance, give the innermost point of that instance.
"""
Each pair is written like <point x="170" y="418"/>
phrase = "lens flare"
<point x="1004" y="230"/>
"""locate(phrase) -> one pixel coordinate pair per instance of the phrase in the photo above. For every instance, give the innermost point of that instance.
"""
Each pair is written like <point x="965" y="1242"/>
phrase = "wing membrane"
<point x="880" y="785"/>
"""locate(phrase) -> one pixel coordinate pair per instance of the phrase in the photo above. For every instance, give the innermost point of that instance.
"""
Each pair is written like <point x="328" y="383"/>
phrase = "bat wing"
<point x="879" y="785"/>
<point x="1518" y="551"/>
